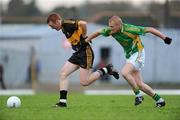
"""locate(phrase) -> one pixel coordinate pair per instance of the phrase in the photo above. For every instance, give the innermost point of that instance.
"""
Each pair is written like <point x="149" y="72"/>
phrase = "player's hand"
<point x="87" y="40"/>
<point x="167" y="40"/>
<point x="139" y="58"/>
<point x="83" y="39"/>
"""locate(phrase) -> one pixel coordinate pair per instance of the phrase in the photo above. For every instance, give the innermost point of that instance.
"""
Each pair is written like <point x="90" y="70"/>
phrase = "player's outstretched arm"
<point x="156" y="32"/>
<point x="92" y="36"/>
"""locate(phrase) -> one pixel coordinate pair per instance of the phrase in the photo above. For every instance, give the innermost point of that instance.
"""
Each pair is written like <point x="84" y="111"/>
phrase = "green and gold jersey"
<point x="128" y="38"/>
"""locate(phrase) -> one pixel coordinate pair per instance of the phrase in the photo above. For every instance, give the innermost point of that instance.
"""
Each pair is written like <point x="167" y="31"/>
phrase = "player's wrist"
<point x="87" y="40"/>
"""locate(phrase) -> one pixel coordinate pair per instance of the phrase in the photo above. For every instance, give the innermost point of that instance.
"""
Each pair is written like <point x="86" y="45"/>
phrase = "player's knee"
<point x="124" y="73"/>
<point x="140" y="85"/>
<point x="84" y="83"/>
<point x="62" y="75"/>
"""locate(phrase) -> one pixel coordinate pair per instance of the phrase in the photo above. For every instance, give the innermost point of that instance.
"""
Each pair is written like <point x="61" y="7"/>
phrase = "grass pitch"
<point x="83" y="107"/>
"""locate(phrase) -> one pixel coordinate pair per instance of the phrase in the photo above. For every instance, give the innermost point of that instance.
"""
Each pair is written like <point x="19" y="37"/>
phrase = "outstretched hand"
<point x="168" y="40"/>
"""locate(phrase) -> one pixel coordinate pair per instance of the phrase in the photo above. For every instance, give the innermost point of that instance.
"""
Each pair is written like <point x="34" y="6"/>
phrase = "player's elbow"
<point x="83" y="23"/>
<point x="150" y="29"/>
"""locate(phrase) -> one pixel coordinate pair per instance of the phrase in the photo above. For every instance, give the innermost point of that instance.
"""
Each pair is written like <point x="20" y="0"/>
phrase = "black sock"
<point x="103" y="71"/>
<point x="63" y="94"/>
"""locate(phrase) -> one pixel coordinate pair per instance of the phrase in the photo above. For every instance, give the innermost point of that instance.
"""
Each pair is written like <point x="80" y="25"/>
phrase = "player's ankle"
<point x="103" y="71"/>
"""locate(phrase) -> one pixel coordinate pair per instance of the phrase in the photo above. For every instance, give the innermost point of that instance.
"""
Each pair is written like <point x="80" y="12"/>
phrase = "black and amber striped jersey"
<point x="73" y="33"/>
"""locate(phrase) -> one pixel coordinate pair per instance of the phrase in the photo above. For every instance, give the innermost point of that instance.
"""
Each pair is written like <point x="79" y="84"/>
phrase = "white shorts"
<point x="137" y="63"/>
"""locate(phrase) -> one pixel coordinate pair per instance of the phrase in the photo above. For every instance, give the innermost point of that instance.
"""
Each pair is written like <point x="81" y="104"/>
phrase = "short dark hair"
<point x="53" y="17"/>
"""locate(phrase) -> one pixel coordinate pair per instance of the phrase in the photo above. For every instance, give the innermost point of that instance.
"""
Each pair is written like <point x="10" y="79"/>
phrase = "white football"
<point x="13" y="102"/>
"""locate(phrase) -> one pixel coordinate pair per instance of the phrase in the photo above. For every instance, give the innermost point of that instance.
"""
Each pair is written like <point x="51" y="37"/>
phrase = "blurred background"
<point x="31" y="54"/>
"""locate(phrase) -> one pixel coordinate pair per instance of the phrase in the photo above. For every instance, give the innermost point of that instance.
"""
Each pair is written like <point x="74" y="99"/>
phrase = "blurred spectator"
<point x="1" y="76"/>
<point x="33" y="73"/>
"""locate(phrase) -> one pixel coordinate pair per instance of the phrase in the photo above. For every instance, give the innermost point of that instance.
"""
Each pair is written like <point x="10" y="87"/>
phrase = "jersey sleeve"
<point x="105" y="32"/>
<point x="139" y="30"/>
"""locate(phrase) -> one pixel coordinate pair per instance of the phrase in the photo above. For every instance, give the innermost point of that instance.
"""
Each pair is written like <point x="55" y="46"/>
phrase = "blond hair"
<point x="115" y="19"/>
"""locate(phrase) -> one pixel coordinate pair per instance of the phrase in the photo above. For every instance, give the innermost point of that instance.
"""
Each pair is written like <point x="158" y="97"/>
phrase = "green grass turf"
<point x="83" y="107"/>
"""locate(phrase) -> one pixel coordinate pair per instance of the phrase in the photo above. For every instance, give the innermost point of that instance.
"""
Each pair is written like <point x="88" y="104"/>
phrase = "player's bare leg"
<point x="142" y="86"/>
<point x="65" y="71"/>
<point x="126" y="72"/>
<point x="147" y="89"/>
<point x="87" y="77"/>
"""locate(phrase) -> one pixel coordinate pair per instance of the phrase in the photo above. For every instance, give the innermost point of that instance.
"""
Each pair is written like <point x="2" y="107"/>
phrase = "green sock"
<point x="156" y="97"/>
<point x="137" y="93"/>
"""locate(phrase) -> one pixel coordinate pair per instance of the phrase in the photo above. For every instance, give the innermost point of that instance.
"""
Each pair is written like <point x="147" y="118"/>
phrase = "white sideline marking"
<point x="130" y="92"/>
<point x="17" y="92"/>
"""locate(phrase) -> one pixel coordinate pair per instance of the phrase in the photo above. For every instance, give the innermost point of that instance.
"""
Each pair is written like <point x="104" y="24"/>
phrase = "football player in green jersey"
<point x="82" y="58"/>
<point x="127" y="36"/>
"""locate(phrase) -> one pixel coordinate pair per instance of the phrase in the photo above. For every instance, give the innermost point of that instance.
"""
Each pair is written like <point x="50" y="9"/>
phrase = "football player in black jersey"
<point x="82" y="59"/>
